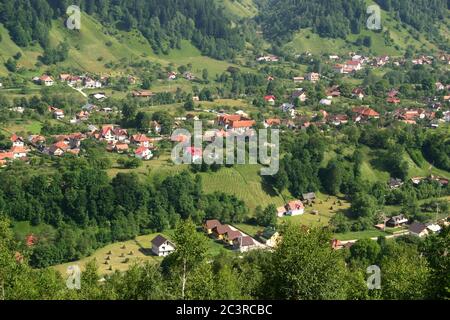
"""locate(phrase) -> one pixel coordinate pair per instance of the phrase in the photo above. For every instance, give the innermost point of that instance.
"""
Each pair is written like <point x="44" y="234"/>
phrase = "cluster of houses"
<point x="118" y="140"/>
<point x="416" y="228"/>
<point x="71" y="80"/>
<point x="18" y="151"/>
<point x="230" y="236"/>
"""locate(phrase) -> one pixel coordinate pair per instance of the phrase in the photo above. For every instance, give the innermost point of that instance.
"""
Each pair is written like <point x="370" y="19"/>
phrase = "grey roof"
<point x="159" y="240"/>
<point x="309" y="196"/>
<point x="417" y="227"/>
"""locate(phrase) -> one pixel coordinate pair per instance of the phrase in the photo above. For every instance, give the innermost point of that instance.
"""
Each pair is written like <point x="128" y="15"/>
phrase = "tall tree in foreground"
<point x="304" y="267"/>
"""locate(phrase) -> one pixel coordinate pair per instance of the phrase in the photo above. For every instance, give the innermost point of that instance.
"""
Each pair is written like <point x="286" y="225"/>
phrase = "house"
<point x="433" y="228"/>
<point x="270" y="237"/>
<point x="83" y="115"/>
<point x="230" y="236"/>
<point x="309" y="197"/>
<point x="156" y="127"/>
<point x="142" y="94"/>
<point x="312" y="77"/>
<point x="298" y="79"/>
<point x="161" y="246"/>
<point x="270" y="99"/>
<point x="358" y="93"/>
<point x="171" y="75"/>
<point x="220" y="231"/>
<point x="195" y="154"/>
<point x="395" y="183"/>
<point x="381" y="61"/>
<point x="56" y="151"/>
<point x="393" y="100"/>
<point x="141" y="140"/>
<point x="189" y="76"/>
<point x="120" y="147"/>
<point x="338" y="119"/>
<point x="209" y="225"/>
<point x="269" y="58"/>
<point x="57" y="113"/>
<point x="300" y="94"/>
<point x="365" y="113"/>
<point x="397" y="221"/>
<point x="5" y="157"/>
<point x="271" y="122"/>
<point x="91" y="83"/>
<point x="143" y="153"/>
<point x="418" y="229"/>
<point x="439" y="86"/>
<point x="295" y="208"/>
<point x="226" y="119"/>
<point x="244" y="243"/>
<point x="19" y="152"/>
<point x="99" y="96"/>
<point x="281" y="212"/>
<point x="46" y="80"/>
<point x="241" y="126"/>
<point x="333" y="92"/>
<point x="17" y="141"/>
<point x="36" y="140"/>
<point x="325" y="102"/>
<point x="352" y="66"/>
<point x="287" y="107"/>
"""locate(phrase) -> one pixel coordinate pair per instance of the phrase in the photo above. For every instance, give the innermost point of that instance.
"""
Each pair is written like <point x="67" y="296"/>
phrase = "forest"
<point x="164" y="24"/>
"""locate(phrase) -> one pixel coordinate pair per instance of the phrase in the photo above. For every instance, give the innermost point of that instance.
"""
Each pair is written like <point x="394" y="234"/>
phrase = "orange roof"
<point x="141" y="138"/>
<point x="242" y="124"/>
<point x="141" y="150"/>
<point x="15" y="138"/>
<point x="295" y="205"/>
<point x="273" y="121"/>
<point x="6" y="155"/>
<point x="121" y="146"/>
<point x="226" y="118"/>
<point x="18" y="150"/>
<point x="365" y="111"/>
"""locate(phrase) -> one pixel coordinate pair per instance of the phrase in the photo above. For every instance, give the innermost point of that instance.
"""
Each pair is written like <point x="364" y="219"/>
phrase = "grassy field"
<point x="244" y="182"/>
<point x="124" y="254"/>
<point x="366" y="234"/>
<point x="327" y="206"/>
<point x="93" y="46"/>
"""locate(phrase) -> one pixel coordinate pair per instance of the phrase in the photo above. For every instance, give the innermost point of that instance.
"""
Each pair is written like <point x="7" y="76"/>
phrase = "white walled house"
<point x="295" y="208"/>
<point x="161" y="246"/>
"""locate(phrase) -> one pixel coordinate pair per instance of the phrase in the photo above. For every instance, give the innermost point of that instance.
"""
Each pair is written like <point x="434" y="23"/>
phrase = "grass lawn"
<point x="244" y="182"/>
<point x="27" y="126"/>
<point x="141" y="249"/>
<point x="366" y="234"/>
<point x="323" y="205"/>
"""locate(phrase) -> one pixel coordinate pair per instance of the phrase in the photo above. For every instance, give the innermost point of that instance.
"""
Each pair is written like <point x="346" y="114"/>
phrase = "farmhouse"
<point x="270" y="237"/>
<point x="244" y="243"/>
<point x="397" y="221"/>
<point x="143" y="153"/>
<point x="358" y="93"/>
<point x="220" y="231"/>
<point x="312" y="77"/>
<point x="364" y="113"/>
<point x="270" y="99"/>
<point x="309" y="197"/>
<point x="142" y="94"/>
<point x="295" y="208"/>
<point x="161" y="246"/>
<point x="209" y="225"/>
<point x="141" y="140"/>
<point x="418" y="229"/>
<point x="17" y="141"/>
<point x="46" y="80"/>
<point x="230" y="236"/>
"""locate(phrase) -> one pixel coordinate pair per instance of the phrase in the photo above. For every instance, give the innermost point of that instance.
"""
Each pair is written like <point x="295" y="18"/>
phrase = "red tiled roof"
<point x="242" y="124"/>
